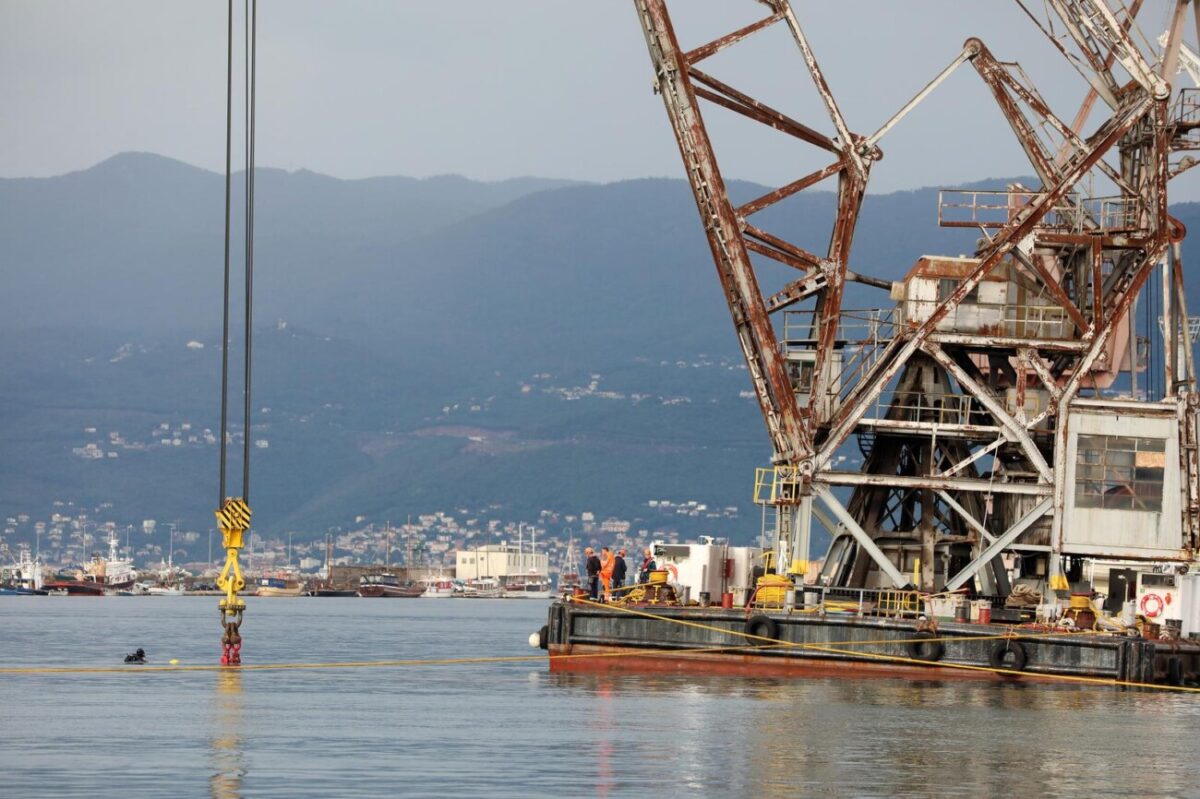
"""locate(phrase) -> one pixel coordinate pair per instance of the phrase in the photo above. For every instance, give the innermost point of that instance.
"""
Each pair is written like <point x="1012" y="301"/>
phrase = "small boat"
<point x="73" y="588"/>
<point x="388" y="585"/>
<point x="7" y="590"/>
<point x="532" y="586"/>
<point x="482" y="588"/>
<point x="278" y="586"/>
<point x="334" y="592"/>
<point x="164" y="590"/>
<point x="438" y="589"/>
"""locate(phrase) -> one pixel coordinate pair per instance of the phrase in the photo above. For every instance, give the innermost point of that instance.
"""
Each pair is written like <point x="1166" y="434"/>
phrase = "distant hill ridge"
<point x="409" y="304"/>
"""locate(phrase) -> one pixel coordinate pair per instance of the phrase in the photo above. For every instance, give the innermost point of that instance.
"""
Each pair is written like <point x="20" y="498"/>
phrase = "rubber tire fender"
<point x="544" y="637"/>
<point x="760" y="626"/>
<point x="1020" y="656"/>
<point x="927" y="647"/>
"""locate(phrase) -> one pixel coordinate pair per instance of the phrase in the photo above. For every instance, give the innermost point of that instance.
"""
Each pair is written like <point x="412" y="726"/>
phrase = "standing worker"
<point x="619" y="570"/>
<point x="593" y="574"/>
<point x="606" y="571"/>
<point x="648" y="565"/>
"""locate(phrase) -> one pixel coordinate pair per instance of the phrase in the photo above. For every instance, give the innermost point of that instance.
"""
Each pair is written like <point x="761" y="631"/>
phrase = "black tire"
<point x="544" y="637"/>
<point x="928" y="648"/>
<point x="760" y="626"/>
<point x="1003" y="650"/>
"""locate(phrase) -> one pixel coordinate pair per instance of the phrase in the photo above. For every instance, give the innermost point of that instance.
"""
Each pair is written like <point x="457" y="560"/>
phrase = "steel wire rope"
<point x="225" y="314"/>
<point x="251" y="78"/>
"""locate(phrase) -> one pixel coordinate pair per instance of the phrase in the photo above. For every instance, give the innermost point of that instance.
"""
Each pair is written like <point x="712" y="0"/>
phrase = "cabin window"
<point x="1119" y="473"/>
<point x="947" y="286"/>
<point x="801" y="374"/>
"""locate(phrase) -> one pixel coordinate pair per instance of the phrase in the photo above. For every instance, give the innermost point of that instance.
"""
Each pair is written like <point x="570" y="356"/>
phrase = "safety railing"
<point x="777" y="485"/>
<point x="1072" y="213"/>
<point x="1186" y="112"/>
<point x="1027" y="320"/>
<point x="919" y="406"/>
<point x="885" y="602"/>
<point x="860" y="338"/>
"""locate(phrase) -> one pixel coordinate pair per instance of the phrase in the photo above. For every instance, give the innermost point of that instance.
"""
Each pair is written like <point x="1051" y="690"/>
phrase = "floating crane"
<point x="995" y="398"/>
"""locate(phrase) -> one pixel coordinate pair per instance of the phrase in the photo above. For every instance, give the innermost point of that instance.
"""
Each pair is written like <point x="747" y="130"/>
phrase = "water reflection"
<point x="227" y="758"/>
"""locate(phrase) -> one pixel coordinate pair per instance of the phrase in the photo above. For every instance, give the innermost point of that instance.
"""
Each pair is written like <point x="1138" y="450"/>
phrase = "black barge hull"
<point x="714" y="641"/>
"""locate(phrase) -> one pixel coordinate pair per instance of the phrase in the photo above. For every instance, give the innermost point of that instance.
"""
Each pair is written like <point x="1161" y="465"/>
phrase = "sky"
<point x="493" y="89"/>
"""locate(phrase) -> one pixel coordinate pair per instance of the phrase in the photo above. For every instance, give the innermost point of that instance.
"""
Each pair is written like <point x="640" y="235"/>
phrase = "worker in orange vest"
<point x="606" y="572"/>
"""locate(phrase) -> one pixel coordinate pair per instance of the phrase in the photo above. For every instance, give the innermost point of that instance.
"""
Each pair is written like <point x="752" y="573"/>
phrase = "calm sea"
<point x="514" y="729"/>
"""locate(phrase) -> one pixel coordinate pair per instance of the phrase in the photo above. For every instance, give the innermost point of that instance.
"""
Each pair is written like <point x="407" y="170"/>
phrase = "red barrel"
<point x="727" y="600"/>
<point x="985" y="614"/>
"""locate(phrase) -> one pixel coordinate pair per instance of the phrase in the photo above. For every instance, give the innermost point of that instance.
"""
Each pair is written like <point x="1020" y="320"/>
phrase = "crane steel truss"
<point x="973" y="420"/>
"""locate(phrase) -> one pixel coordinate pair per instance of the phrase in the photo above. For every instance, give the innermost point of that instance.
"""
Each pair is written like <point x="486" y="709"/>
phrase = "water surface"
<point x="514" y="729"/>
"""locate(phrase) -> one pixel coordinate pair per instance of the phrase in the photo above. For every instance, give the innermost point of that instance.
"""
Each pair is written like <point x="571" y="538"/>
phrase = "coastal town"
<point x="70" y="536"/>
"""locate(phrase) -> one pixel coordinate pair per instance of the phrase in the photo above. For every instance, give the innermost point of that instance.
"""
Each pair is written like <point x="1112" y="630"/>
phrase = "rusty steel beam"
<point x="798" y="257"/>
<point x="736" y="273"/>
<point x="725" y="95"/>
<point x="754" y="206"/>
<point x="843" y="422"/>
<point x="993" y="406"/>
<point x="996" y="547"/>
<point x="972" y="484"/>
<point x="728" y="40"/>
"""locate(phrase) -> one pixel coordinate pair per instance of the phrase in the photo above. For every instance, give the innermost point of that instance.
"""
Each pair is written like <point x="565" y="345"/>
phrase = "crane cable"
<point x="233" y="513"/>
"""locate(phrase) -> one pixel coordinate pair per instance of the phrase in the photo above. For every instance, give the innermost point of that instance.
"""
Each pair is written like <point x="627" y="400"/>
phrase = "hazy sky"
<point x="498" y="88"/>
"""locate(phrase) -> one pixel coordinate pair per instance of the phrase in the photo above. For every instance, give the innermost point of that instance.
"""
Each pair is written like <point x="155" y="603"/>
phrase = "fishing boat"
<point x="278" y="586"/>
<point x="438" y="589"/>
<point x="23" y="578"/>
<point x="105" y="575"/>
<point x="388" y="585"/>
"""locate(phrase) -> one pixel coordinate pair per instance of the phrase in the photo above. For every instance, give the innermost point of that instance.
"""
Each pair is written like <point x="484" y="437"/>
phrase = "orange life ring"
<point x="1154" y="599"/>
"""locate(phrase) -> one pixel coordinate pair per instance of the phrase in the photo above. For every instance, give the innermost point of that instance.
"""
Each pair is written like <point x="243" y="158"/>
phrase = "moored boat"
<point x="73" y="588"/>
<point x="482" y="588"/>
<point x="388" y="585"/>
<point x="335" y="592"/>
<point x="278" y="586"/>
<point x="438" y="589"/>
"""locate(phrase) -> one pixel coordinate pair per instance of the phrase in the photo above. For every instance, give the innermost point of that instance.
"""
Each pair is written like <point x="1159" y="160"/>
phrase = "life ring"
<point x="674" y="572"/>
<point x="927" y="647"/>
<point x="1001" y="652"/>
<point x="761" y="626"/>
<point x="1152" y="599"/>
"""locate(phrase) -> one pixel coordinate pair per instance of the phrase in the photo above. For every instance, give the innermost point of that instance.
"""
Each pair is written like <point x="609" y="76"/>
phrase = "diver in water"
<point x="137" y="657"/>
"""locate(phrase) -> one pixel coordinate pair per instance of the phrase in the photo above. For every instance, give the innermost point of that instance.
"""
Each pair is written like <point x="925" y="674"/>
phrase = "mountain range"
<point x="420" y="345"/>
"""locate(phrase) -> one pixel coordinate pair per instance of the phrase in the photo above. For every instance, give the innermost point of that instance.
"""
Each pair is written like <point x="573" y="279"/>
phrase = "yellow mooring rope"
<point x="834" y="648"/>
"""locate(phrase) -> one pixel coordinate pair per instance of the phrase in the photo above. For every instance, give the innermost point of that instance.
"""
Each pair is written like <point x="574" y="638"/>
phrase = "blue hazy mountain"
<point x="420" y="344"/>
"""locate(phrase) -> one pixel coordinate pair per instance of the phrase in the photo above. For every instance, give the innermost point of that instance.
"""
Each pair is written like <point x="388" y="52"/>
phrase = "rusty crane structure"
<point x="994" y="397"/>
